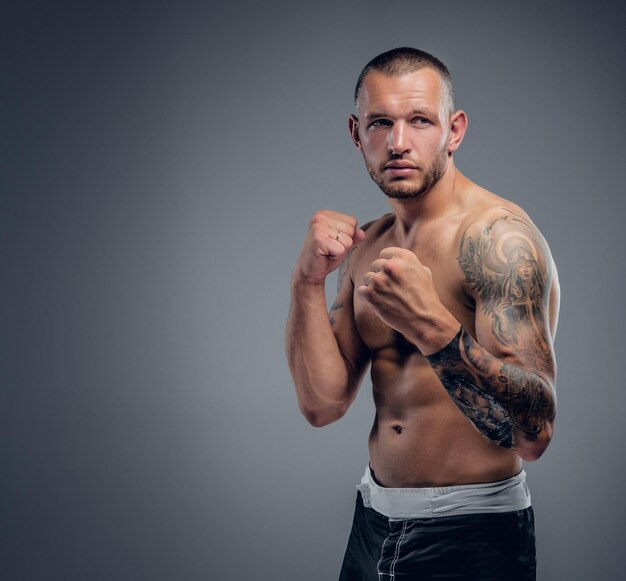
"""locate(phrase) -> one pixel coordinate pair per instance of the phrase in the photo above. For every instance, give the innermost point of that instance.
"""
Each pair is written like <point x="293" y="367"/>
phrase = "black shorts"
<point x="480" y="547"/>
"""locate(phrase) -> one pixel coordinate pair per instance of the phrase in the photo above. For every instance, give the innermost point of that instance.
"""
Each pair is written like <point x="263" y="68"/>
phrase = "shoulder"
<point x="379" y="226"/>
<point x="504" y="222"/>
<point x="491" y="210"/>
<point x="499" y="240"/>
<point x="485" y="210"/>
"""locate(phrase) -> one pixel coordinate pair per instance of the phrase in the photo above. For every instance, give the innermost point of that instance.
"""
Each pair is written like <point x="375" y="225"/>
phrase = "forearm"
<point x="510" y="406"/>
<point x="320" y="373"/>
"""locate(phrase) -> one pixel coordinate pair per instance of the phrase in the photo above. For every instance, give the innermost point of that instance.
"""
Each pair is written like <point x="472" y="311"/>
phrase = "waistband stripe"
<point x="403" y="503"/>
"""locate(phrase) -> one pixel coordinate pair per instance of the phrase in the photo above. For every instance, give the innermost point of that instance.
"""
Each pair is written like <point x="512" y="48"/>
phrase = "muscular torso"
<point x="419" y="436"/>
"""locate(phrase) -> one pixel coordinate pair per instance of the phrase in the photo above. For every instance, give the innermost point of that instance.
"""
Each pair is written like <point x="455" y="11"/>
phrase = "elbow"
<point x="533" y="449"/>
<point x="530" y="454"/>
<point x="533" y="445"/>
<point x="319" y="418"/>
<point x="318" y="421"/>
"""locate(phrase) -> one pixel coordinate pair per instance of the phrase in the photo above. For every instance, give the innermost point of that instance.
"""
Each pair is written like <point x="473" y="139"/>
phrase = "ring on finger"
<point x="338" y="233"/>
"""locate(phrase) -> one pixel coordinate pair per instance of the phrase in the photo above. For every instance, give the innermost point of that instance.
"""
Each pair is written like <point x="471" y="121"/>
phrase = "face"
<point x="524" y="269"/>
<point x="403" y="131"/>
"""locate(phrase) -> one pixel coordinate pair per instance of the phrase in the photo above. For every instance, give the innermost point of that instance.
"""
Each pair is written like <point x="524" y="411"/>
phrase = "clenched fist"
<point x="329" y="238"/>
<point x="400" y="290"/>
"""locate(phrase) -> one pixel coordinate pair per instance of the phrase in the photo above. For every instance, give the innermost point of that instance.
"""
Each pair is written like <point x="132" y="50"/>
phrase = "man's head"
<point x="405" y="124"/>
<point x="403" y="60"/>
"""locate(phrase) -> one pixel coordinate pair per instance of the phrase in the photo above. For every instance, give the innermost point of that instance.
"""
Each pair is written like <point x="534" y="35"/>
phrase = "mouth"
<point x="400" y="168"/>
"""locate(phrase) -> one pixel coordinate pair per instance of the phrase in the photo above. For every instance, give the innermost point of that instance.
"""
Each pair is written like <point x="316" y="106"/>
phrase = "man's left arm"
<point x="502" y="379"/>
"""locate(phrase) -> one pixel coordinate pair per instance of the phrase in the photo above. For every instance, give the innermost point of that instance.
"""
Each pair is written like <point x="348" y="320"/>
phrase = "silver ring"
<point x="337" y="237"/>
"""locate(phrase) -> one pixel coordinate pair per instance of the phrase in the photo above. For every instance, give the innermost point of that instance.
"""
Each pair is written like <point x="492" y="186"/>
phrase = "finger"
<point x="367" y="279"/>
<point x="321" y="231"/>
<point x="325" y="219"/>
<point x="347" y="240"/>
<point x="339" y="236"/>
<point x="359" y="236"/>
<point x="335" y="249"/>
<point x="362" y="291"/>
<point x="339" y="226"/>
<point x="374" y="279"/>
<point x="339" y="216"/>
<point x="342" y="223"/>
<point x="378" y="264"/>
<point x="401" y="253"/>
<point x="365" y="293"/>
<point x="386" y="269"/>
<point x="391" y="251"/>
<point x="327" y="246"/>
<point x="344" y="239"/>
<point x="346" y="222"/>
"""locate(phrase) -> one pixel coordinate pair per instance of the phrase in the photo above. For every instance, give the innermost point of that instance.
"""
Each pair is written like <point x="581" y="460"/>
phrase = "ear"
<point x="353" y="126"/>
<point x="458" y="127"/>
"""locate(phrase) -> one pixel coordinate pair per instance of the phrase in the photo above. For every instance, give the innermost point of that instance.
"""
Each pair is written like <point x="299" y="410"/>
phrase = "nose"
<point x="397" y="139"/>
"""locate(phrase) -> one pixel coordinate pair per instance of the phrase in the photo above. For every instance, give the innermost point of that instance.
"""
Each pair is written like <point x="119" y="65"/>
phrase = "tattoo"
<point x="462" y="382"/>
<point x="528" y="402"/>
<point x="498" y="398"/>
<point x="343" y="268"/>
<point x="336" y="306"/>
<point x="505" y="265"/>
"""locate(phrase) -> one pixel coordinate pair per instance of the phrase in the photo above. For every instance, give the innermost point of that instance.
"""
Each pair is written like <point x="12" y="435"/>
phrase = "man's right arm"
<point x="326" y="355"/>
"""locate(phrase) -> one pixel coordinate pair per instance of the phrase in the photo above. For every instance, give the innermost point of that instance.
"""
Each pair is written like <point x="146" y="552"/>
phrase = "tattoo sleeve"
<point x="506" y="267"/>
<point x="504" y="402"/>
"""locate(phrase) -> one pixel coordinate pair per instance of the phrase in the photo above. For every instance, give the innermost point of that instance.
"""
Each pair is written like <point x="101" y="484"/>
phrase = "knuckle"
<point x="318" y="217"/>
<point x="379" y="280"/>
<point x="389" y="267"/>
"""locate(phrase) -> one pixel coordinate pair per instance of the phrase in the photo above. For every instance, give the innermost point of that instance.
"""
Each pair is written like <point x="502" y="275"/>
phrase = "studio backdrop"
<point x="160" y="162"/>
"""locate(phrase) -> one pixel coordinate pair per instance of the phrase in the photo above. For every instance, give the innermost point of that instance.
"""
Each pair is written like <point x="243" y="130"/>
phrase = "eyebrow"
<point x="375" y="115"/>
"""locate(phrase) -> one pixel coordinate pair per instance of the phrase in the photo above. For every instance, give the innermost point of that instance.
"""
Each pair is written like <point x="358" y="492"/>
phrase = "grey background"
<point x="159" y="165"/>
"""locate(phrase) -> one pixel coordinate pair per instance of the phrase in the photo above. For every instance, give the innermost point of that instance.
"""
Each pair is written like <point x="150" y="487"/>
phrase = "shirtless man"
<point x="453" y="300"/>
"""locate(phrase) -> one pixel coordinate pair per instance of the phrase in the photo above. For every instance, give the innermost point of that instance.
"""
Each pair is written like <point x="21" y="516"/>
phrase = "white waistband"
<point x="404" y="503"/>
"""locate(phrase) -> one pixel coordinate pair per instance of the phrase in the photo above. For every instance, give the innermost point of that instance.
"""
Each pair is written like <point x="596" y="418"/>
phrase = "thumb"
<point x="359" y="236"/>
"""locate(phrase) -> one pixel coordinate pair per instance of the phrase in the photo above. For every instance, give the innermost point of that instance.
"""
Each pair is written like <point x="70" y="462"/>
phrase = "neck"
<point x="440" y="200"/>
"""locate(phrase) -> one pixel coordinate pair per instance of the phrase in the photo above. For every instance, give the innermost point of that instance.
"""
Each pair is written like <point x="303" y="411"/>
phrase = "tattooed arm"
<point x="503" y="379"/>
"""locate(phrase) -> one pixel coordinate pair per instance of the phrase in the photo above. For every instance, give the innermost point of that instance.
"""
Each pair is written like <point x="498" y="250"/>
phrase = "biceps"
<point x="518" y="332"/>
<point x="343" y="323"/>
<point x="509" y="272"/>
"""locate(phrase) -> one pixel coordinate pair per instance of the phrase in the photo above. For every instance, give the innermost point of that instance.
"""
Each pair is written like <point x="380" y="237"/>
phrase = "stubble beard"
<point x="407" y="193"/>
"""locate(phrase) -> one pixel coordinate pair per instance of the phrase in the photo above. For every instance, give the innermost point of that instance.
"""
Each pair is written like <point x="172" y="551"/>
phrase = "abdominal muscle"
<point x="419" y="437"/>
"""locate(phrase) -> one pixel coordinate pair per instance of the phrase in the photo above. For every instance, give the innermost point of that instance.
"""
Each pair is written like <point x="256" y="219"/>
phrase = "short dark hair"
<point x="403" y="60"/>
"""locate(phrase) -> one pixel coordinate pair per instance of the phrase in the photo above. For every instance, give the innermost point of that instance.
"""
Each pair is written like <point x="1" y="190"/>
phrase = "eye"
<point x="380" y="123"/>
<point x="421" y="121"/>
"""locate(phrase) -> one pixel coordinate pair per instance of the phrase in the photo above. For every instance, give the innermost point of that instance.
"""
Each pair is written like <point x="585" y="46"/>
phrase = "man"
<point x="453" y="300"/>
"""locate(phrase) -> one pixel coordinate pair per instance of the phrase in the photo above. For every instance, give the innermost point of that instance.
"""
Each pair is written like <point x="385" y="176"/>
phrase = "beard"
<point x="406" y="192"/>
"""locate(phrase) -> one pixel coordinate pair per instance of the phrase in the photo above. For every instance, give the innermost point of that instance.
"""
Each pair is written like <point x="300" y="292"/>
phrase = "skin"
<point x="452" y="298"/>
